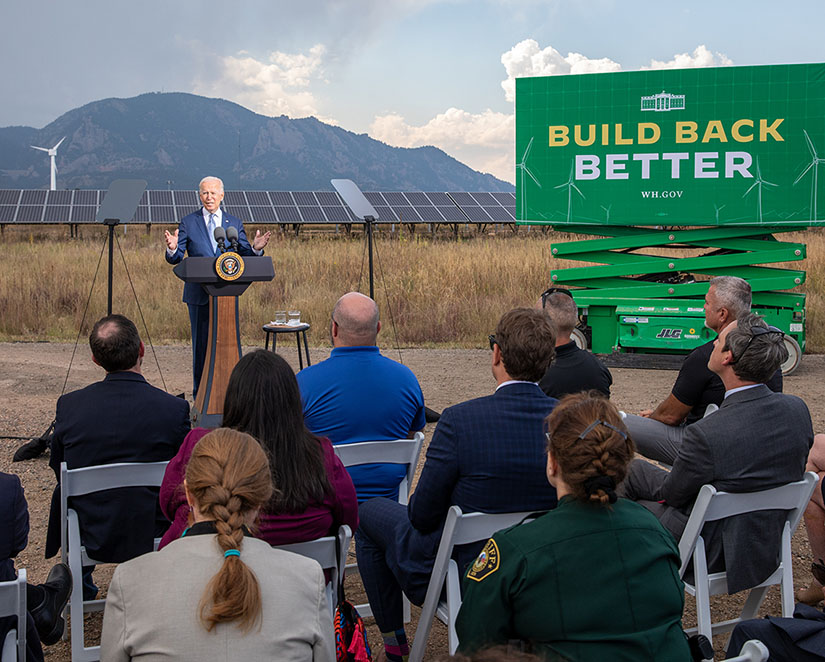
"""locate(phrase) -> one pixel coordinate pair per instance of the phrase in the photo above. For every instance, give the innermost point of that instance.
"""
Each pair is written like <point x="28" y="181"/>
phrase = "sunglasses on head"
<point x="553" y="290"/>
<point x="757" y="331"/>
<point x="493" y="341"/>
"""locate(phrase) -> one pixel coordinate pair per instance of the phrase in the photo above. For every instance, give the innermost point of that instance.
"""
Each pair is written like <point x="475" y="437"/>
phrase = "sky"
<point x="407" y="72"/>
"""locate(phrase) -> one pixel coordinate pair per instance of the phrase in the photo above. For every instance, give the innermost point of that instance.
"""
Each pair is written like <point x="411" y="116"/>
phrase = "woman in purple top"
<point x="313" y="494"/>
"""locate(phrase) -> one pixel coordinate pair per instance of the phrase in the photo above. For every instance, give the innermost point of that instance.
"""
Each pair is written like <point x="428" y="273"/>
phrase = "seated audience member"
<point x="757" y="440"/>
<point x="538" y="582"/>
<point x="573" y="370"/>
<point x="216" y="593"/>
<point x="486" y="455"/>
<point x="314" y="494"/>
<point x="120" y="419"/>
<point x="815" y="521"/>
<point x="44" y="602"/>
<point x="659" y="432"/>
<point x="797" y="639"/>
<point x="359" y="395"/>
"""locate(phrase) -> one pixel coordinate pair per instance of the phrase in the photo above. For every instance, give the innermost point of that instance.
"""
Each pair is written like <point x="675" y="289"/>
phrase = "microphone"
<point x="232" y="235"/>
<point x="220" y="237"/>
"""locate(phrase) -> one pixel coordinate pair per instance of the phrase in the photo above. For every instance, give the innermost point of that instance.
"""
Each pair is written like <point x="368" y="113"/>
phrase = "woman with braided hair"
<point x="597" y="578"/>
<point x="217" y="593"/>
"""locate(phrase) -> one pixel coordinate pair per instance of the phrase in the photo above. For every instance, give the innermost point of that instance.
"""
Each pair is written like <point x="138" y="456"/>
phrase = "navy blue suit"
<point x="120" y="419"/>
<point x="14" y="535"/>
<point x="486" y="455"/>
<point x="194" y="241"/>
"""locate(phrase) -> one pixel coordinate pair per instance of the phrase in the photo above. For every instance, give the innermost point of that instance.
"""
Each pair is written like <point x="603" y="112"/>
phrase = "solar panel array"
<point x="33" y="206"/>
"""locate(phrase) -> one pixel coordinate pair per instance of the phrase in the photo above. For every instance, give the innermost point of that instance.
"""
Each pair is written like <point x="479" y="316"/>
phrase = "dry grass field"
<point x="433" y="291"/>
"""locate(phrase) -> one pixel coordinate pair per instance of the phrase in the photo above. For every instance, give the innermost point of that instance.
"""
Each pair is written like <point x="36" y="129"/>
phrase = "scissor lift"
<point x="641" y="302"/>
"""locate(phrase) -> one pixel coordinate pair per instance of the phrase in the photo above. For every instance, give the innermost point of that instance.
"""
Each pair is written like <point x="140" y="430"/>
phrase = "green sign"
<point x="720" y="146"/>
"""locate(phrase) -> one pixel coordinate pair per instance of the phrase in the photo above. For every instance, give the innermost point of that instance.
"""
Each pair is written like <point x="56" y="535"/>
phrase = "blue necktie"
<point x="211" y="228"/>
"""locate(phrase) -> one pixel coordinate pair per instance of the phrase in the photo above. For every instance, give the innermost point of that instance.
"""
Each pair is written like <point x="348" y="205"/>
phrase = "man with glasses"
<point x="486" y="455"/>
<point x="573" y="369"/>
<point x="359" y="395"/>
<point x="659" y="432"/>
<point x="757" y="440"/>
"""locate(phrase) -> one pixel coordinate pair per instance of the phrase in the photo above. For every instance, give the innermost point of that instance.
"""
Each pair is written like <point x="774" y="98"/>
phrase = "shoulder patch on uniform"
<point x="486" y="563"/>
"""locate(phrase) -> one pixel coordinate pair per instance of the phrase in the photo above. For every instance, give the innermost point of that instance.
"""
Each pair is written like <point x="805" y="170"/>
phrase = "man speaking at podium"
<point x="195" y="237"/>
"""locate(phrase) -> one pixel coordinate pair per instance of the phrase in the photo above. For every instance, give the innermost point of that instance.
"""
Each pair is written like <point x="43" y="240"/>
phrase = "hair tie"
<point x="231" y="552"/>
<point x="601" y="482"/>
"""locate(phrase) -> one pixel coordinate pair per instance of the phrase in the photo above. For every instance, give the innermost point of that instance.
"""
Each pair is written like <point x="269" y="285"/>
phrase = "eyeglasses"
<point x="756" y="331"/>
<point x="493" y="341"/>
<point x="553" y="290"/>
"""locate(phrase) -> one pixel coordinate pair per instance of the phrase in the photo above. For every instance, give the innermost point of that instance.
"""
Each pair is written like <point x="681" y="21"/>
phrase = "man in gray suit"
<point x="757" y="440"/>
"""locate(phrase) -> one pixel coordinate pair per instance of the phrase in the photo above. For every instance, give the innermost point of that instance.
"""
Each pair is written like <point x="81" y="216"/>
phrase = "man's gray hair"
<point x="210" y="178"/>
<point x="734" y="294"/>
<point x="756" y="355"/>
<point x="563" y="310"/>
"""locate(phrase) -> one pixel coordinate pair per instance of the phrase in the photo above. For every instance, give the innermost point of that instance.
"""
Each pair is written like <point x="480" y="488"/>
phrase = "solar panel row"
<point x="279" y="207"/>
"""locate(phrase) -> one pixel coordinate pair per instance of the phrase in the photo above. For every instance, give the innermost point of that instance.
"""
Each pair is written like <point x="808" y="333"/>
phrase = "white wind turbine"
<point x="522" y="165"/>
<point x="53" y="157"/>
<point x="815" y="161"/>
<point x="759" y="183"/>
<point x="570" y="187"/>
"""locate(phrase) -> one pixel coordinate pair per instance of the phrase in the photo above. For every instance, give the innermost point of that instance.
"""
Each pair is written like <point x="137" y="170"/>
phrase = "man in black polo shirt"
<point x="658" y="433"/>
<point x="573" y="369"/>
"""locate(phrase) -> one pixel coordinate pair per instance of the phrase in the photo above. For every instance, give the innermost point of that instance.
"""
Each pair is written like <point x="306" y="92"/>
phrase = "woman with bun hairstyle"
<point x="315" y="494"/>
<point x="217" y="593"/>
<point x="595" y="579"/>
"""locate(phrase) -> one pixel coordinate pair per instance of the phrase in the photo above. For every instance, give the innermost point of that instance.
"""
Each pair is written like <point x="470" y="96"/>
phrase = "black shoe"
<point x="31" y="450"/>
<point x="48" y="615"/>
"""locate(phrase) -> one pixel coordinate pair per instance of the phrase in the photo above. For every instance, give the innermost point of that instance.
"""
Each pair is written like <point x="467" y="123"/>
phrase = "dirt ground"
<point x="32" y="376"/>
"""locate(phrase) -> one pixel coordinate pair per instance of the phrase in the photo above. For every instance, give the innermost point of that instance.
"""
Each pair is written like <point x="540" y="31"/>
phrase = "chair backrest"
<point x="397" y="451"/>
<point x="712" y="505"/>
<point x="459" y="529"/>
<point x="13" y="603"/>
<point x="77" y="482"/>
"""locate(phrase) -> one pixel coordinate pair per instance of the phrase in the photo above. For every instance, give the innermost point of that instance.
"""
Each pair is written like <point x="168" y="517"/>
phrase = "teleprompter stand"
<point x="224" y="343"/>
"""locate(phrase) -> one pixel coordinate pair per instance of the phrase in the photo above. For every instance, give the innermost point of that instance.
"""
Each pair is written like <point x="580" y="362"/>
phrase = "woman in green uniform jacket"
<point x="595" y="579"/>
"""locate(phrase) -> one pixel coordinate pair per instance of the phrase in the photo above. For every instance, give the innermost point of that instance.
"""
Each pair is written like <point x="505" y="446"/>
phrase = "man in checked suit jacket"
<point x="757" y="440"/>
<point x="485" y="455"/>
<point x="194" y="237"/>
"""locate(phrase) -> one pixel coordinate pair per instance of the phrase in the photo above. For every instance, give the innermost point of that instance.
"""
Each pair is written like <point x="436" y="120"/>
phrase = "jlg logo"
<point x="670" y="333"/>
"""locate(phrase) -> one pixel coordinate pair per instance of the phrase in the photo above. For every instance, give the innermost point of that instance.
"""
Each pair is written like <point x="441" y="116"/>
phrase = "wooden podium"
<point x="224" y="343"/>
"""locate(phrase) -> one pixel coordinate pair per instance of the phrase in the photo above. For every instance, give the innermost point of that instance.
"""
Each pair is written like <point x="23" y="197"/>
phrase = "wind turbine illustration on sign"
<point x="758" y="184"/>
<point x="570" y="187"/>
<point x="814" y="164"/>
<point x="522" y="165"/>
<point x="53" y="157"/>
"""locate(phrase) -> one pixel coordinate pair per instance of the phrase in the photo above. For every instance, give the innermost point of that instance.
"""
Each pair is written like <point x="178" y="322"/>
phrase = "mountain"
<point x="175" y="139"/>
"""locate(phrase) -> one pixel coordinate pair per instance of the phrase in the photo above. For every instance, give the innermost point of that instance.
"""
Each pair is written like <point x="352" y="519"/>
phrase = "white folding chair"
<point x="752" y="650"/>
<point x="459" y="529"/>
<point x="78" y="482"/>
<point x="331" y="554"/>
<point x="13" y="603"/>
<point x="711" y="506"/>
<point x="399" y="451"/>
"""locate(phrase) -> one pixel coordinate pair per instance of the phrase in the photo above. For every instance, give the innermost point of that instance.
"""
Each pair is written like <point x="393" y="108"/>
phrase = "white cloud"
<point x="275" y="86"/>
<point x="484" y="141"/>
<point x="526" y="58"/>
<point x="702" y="56"/>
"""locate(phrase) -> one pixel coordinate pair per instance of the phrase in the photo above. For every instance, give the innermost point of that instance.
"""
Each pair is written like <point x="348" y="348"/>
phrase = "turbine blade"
<point x="59" y="142"/>
<point x="802" y="174"/>
<point x="42" y="149"/>
<point x="578" y="191"/>
<point x="810" y="143"/>
<point x="750" y="189"/>
<point x="532" y="176"/>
